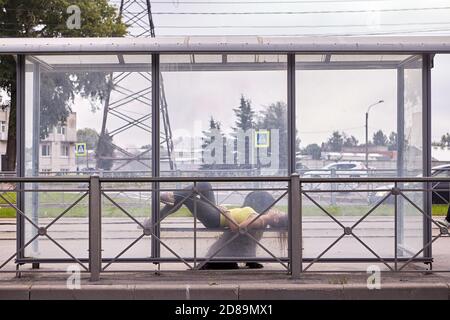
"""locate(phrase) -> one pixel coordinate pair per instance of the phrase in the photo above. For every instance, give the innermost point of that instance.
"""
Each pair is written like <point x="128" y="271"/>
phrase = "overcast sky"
<point x="316" y="17"/>
<point x="320" y="94"/>
<point x="327" y="100"/>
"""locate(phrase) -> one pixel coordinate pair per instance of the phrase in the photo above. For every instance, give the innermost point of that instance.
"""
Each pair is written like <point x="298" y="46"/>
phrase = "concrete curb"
<point x="15" y="292"/>
<point x="187" y="292"/>
<point x="91" y="292"/>
<point x="292" y="292"/>
<point x="418" y="291"/>
<point x="431" y="291"/>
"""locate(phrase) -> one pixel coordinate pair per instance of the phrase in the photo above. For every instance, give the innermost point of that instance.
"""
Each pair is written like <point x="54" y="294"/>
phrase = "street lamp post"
<point x="367" y="131"/>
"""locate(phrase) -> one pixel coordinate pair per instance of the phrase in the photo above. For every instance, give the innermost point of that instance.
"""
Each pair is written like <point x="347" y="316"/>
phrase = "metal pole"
<point x="20" y="152"/>
<point x="427" y="64"/>
<point x="195" y="226"/>
<point x="95" y="227"/>
<point x="367" y="131"/>
<point x="367" y="140"/>
<point x="155" y="250"/>
<point x="396" y="227"/>
<point x="295" y="260"/>
<point x="291" y="114"/>
<point x="35" y="151"/>
<point x="400" y="154"/>
<point x="333" y="187"/>
<point x="295" y="226"/>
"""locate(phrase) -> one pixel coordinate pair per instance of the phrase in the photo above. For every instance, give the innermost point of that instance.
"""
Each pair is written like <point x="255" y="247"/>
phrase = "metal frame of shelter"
<point x="417" y="47"/>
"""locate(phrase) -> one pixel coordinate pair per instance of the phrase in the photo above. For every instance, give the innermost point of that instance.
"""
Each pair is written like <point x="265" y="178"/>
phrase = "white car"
<point x="339" y="170"/>
<point x="441" y="196"/>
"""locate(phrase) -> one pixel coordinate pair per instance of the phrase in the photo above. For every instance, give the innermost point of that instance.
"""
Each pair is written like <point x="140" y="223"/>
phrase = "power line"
<point x="370" y="33"/>
<point x="332" y="130"/>
<point x="278" y="26"/>
<point x="275" y="12"/>
<point x="174" y="2"/>
<point x="300" y="26"/>
<point x="388" y="33"/>
<point x="299" y="12"/>
<point x="316" y="34"/>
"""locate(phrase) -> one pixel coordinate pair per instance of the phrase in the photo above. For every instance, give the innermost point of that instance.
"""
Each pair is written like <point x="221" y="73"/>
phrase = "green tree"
<point x="245" y="115"/>
<point x="335" y="142"/>
<point x="350" y="141"/>
<point x="209" y="136"/>
<point x="274" y="116"/>
<point x="379" y="138"/>
<point x="88" y="136"/>
<point x="445" y="140"/>
<point x="47" y="18"/>
<point x="244" y="122"/>
<point x="105" y="153"/>
<point x="314" y="150"/>
<point x="392" y="142"/>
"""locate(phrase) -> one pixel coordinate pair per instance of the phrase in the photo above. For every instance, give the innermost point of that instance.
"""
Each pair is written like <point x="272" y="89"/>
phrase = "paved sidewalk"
<point x="226" y="285"/>
<point x="175" y="282"/>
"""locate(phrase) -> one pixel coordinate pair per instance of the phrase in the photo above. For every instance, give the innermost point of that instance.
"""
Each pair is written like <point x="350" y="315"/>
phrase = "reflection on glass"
<point x="228" y="115"/>
<point x="88" y="114"/>
<point x="84" y="115"/>
<point x="360" y="116"/>
<point x="411" y="240"/>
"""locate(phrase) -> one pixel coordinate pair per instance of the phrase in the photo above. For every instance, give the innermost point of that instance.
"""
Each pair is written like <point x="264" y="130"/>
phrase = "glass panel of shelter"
<point x="238" y="112"/>
<point x="360" y="91"/>
<point x="84" y="115"/>
<point x="228" y="116"/>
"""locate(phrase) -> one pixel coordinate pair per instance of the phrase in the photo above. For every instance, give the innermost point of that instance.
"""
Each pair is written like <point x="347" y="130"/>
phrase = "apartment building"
<point x="57" y="151"/>
<point x="4" y="116"/>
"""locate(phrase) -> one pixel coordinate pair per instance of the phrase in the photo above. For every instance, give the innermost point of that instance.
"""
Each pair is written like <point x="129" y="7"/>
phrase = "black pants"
<point x="448" y="214"/>
<point x="242" y="246"/>
<point x="207" y="212"/>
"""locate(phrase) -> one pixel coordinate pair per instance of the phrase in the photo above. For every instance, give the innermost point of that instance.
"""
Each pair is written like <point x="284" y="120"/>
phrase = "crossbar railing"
<point x="100" y="192"/>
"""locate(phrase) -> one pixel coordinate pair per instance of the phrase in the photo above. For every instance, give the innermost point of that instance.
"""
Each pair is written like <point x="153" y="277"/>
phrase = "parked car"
<point x="345" y="169"/>
<point x="341" y="169"/>
<point x="300" y="168"/>
<point x="440" y="196"/>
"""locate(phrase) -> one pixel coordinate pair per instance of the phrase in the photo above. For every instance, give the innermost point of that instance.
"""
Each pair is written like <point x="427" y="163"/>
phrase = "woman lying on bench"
<point x="213" y="216"/>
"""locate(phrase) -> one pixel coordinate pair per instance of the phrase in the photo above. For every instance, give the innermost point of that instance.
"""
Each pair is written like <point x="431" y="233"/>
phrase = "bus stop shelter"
<point x="140" y="71"/>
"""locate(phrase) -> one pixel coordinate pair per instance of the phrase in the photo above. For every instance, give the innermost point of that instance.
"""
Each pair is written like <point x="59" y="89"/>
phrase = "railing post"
<point x="295" y="211"/>
<point x="95" y="247"/>
<point x="333" y="187"/>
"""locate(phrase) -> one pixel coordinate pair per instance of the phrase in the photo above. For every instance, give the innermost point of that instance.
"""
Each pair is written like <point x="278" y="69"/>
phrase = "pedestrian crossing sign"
<point x="80" y="149"/>
<point x="262" y="138"/>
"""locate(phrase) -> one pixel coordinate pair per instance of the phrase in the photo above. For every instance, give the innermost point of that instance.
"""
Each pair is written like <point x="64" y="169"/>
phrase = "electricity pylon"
<point x="124" y="104"/>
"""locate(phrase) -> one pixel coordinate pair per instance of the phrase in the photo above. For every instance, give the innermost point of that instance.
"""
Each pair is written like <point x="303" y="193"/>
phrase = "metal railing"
<point x="402" y="191"/>
<point x="17" y="187"/>
<point x="101" y="192"/>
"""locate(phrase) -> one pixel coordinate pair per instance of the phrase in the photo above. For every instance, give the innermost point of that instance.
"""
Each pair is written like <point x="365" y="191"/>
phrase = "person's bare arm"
<point x="232" y="224"/>
<point x="261" y="222"/>
<point x="251" y="223"/>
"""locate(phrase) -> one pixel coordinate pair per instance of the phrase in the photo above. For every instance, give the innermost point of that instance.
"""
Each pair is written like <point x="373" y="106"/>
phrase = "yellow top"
<point x="238" y="214"/>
